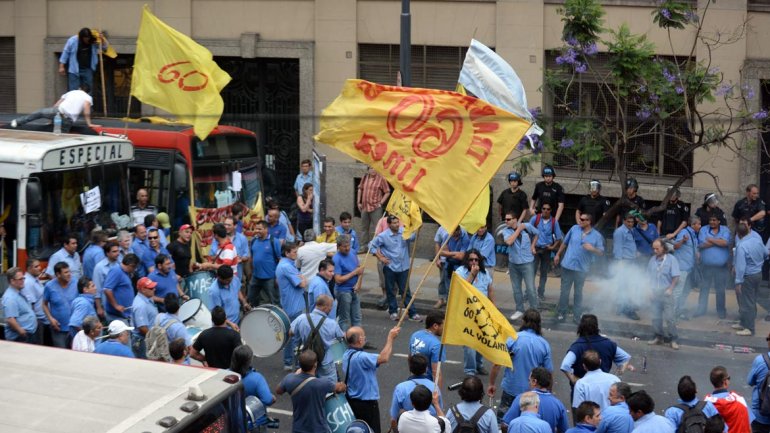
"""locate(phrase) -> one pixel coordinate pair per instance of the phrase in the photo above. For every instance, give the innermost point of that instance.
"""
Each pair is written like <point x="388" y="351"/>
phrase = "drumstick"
<point x="422" y="281"/>
<point x="360" y="281"/>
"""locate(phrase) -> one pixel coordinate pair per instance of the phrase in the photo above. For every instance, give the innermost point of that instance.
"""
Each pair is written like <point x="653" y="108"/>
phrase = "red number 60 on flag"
<point x="171" y="73"/>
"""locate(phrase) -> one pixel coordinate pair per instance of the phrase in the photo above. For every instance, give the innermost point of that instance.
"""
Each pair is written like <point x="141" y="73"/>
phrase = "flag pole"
<point x="360" y="281"/>
<point x="101" y="74"/>
<point x="419" y="286"/>
<point x="411" y="261"/>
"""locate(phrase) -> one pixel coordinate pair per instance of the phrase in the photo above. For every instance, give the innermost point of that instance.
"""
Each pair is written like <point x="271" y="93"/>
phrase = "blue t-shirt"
<point x="308" y="403"/>
<point x="227" y="298"/>
<point x="343" y="265"/>
<point x="486" y="245"/>
<point x="120" y="283"/>
<point x="520" y="252"/>
<point x="265" y="253"/>
<point x="362" y="379"/>
<point x="317" y="287"/>
<point x="426" y="343"/>
<point x="114" y="348"/>
<point x="353" y="237"/>
<point x="255" y="384"/>
<point x="82" y="307"/>
<point x="529" y="350"/>
<point x="292" y="295"/>
<point x="714" y="255"/>
<point x="91" y="256"/>
<point x="401" y="400"/>
<point x="16" y="305"/>
<point x="577" y="258"/>
<point x="552" y="411"/>
<point x="143" y="313"/>
<point x="166" y="283"/>
<point x="644" y="238"/>
<point x="60" y="301"/>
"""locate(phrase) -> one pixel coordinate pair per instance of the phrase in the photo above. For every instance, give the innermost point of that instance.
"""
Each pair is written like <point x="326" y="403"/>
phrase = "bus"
<point x="52" y="185"/>
<point x="178" y="169"/>
<point x="47" y="389"/>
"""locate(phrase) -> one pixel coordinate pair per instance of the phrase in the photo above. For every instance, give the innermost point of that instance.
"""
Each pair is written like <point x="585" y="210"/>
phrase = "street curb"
<point x="716" y="339"/>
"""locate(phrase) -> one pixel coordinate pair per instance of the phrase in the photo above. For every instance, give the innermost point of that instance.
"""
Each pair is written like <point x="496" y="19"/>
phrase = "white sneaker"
<point x="737" y="326"/>
<point x="14" y="124"/>
<point x="517" y="315"/>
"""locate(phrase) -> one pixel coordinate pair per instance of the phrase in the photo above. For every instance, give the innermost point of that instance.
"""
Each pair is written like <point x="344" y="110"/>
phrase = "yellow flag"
<point x="477" y="215"/>
<point x="406" y="210"/>
<point x="109" y="51"/>
<point x="439" y="147"/>
<point x="472" y="320"/>
<point x="176" y="74"/>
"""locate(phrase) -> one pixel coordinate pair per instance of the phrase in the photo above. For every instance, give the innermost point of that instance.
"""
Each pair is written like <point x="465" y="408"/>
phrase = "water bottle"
<point x="57" y="124"/>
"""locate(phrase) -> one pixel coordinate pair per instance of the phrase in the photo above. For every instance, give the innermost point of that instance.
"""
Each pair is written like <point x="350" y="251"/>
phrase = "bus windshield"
<point x="62" y="211"/>
<point x="224" y="147"/>
<point x="216" y="158"/>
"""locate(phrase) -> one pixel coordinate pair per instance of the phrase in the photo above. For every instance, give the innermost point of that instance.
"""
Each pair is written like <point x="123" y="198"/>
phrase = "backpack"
<point x="468" y="426"/>
<point x="693" y="419"/>
<point x="157" y="341"/>
<point x="314" y="341"/>
<point x="764" y="390"/>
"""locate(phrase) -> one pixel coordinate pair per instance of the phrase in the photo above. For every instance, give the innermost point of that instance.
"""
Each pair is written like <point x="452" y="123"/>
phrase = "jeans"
<point x="716" y="277"/>
<point x="447" y="269"/>
<point x="348" y="310"/>
<point x="543" y="262"/>
<point x="138" y="346"/>
<point x="368" y="224"/>
<point x="525" y="271"/>
<point x="570" y="279"/>
<point x="473" y="361"/>
<point x="391" y="280"/>
<point x="747" y="300"/>
<point x="679" y="289"/>
<point x="30" y="338"/>
<point x="664" y="309"/>
<point x="85" y="76"/>
<point x="59" y="338"/>
<point x="681" y="302"/>
<point x="291" y="345"/>
<point x="46" y="113"/>
<point x="263" y="291"/>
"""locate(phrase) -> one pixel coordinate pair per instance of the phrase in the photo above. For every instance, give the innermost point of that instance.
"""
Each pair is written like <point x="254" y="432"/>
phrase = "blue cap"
<point x="549" y="171"/>
<point x="514" y="175"/>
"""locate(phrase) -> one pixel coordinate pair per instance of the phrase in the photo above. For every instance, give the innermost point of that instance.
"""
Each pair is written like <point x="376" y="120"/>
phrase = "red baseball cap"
<point x="185" y="227"/>
<point x="146" y="283"/>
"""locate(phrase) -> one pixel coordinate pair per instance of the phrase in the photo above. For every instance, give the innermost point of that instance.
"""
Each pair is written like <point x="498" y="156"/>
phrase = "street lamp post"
<point x="405" y="63"/>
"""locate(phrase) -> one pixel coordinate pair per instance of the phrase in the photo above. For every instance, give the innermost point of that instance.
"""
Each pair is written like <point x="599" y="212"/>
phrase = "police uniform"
<point x="552" y="194"/>
<point x="705" y="213"/>
<point x="672" y="217"/>
<point x="512" y="201"/>
<point x="744" y="209"/>
<point x="625" y="209"/>
<point x="594" y="206"/>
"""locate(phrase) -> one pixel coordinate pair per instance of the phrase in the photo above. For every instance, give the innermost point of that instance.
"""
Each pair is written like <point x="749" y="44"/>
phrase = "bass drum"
<point x="338" y="413"/>
<point x="265" y="330"/>
<point x="194" y="313"/>
<point x="197" y="284"/>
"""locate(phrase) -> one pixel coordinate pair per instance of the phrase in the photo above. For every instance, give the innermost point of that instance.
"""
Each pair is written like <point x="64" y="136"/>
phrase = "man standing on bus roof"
<point x="305" y="176"/>
<point x="68" y="107"/>
<point x="20" y="319"/>
<point x="80" y="56"/>
<point x="142" y="208"/>
<point x="68" y="254"/>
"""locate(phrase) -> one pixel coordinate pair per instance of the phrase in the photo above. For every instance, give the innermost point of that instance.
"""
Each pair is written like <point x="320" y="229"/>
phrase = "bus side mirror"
<point x="34" y="203"/>
<point x="180" y="177"/>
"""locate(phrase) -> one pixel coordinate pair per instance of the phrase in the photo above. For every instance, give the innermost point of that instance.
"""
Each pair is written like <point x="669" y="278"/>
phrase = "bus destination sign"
<point x="88" y="155"/>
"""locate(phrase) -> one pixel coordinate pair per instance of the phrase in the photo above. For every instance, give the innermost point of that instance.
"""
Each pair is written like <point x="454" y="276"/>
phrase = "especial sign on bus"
<point x="86" y="155"/>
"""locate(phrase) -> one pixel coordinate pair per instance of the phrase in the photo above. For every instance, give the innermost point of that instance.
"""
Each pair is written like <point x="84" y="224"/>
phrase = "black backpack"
<point x="314" y="341"/>
<point x="468" y="426"/>
<point x="764" y="390"/>
<point x="693" y="419"/>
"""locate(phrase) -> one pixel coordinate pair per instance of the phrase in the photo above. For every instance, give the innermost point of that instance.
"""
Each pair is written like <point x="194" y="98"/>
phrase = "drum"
<point x="194" y="332"/>
<point x="266" y="330"/>
<point x="338" y="413"/>
<point x="197" y="284"/>
<point x="338" y="350"/>
<point x="194" y="313"/>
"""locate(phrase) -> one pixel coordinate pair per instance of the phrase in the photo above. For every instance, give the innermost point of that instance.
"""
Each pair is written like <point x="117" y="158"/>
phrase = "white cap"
<point x="117" y="327"/>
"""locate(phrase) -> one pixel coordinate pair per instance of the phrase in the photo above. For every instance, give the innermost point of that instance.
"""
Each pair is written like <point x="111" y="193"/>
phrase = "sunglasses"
<point x="545" y="208"/>
<point x="584" y="219"/>
<point x="473" y="260"/>
<point x="152" y="237"/>
<point x="509" y="219"/>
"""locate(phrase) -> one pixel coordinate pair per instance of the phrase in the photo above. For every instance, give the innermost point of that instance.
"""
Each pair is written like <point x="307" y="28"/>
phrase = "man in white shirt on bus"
<point x="69" y="107"/>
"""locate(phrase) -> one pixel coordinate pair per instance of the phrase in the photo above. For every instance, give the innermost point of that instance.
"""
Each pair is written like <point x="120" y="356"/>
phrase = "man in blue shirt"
<point x="305" y="176"/>
<point x="713" y="243"/>
<point x="265" y="254"/>
<point x="471" y="392"/>
<point x="616" y="418"/>
<point x="346" y="228"/>
<point x="176" y="329"/>
<point x="155" y="249"/>
<point x="58" y="295"/>
<point x="418" y="365"/>
<point x="33" y="292"/>
<point x="329" y="331"/>
<point x="291" y="285"/>
<point x="141" y="247"/>
<point x="319" y="285"/>
<point x="663" y="270"/>
<point x="485" y="243"/>
<point x="644" y="234"/>
<point x="642" y="409"/>
<point x="549" y="237"/>
<point x="360" y="371"/>
<point x="118" y="288"/>
<point x="117" y="344"/>
<point x="686" y="251"/>
<point x="225" y="291"/>
<point x="275" y="227"/>
<point x="427" y="342"/>
<point x="94" y="253"/>
<point x="528" y="417"/>
<point x="625" y="255"/>
<point x="393" y="251"/>
<point x="595" y="385"/>
<point x="588" y="416"/>
<point x="111" y="259"/>
<point x="580" y="246"/>
<point x="750" y="255"/>
<point x="451" y="257"/>
<point x="143" y="314"/>
<point x="69" y="255"/>
<point x="347" y="272"/>
<point x="528" y="351"/>
<point x="521" y="239"/>
<point x="82" y="306"/>
<point x="167" y="280"/>
<point x="20" y="318"/>
<point x="550" y="410"/>
<point x="688" y="397"/>
<point x="759" y="370"/>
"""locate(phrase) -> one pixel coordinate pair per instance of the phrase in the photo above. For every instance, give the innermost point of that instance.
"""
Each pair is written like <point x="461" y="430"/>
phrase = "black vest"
<point x="603" y="345"/>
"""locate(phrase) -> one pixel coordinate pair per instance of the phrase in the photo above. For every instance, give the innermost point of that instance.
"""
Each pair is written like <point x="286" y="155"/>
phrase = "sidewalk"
<point x="706" y="331"/>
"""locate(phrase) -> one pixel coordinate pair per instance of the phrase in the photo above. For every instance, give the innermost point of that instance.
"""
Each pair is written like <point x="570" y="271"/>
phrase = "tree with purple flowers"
<point x="630" y="109"/>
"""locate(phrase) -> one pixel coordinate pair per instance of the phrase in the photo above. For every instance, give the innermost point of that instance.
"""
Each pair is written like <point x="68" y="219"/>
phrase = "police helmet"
<point x="632" y="183"/>
<point x="710" y="198"/>
<point x="549" y="171"/>
<point x="595" y="185"/>
<point x="514" y="175"/>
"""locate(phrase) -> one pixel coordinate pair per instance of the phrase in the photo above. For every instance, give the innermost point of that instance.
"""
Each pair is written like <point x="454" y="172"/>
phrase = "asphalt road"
<point x="664" y="368"/>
